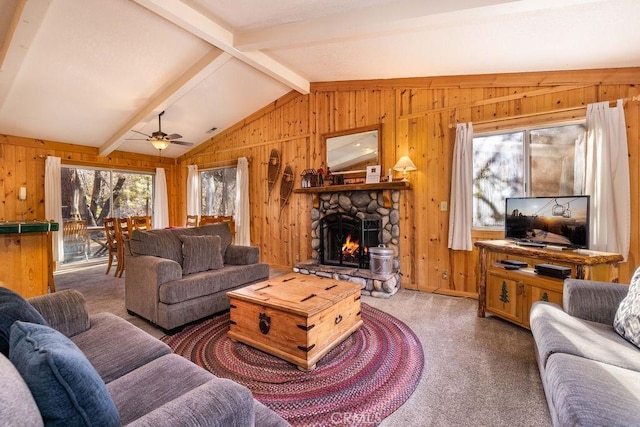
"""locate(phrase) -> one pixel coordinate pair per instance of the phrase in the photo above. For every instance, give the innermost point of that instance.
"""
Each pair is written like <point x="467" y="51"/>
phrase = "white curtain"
<point x="193" y="191"/>
<point x="243" y="227"/>
<point x="160" y="201"/>
<point x="607" y="178"/>
<point x="461" y="200"/>
<point x="53" y="203"/>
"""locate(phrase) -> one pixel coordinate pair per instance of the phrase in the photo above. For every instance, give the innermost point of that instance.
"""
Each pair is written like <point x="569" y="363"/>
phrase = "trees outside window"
<point x="218" y="191"/>
<point x="91" y="195"/>
<point x="545" y="161"/>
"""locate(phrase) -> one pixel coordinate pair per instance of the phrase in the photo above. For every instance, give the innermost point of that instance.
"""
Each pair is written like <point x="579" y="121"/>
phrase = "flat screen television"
<point x="559" y="221"/>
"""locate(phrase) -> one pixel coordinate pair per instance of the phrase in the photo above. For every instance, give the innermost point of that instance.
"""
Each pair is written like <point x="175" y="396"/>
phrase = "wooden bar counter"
<point x="25" y="251"/>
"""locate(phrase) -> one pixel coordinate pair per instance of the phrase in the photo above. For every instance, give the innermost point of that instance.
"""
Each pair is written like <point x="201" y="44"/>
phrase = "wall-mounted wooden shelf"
<point x="394" y="185"/>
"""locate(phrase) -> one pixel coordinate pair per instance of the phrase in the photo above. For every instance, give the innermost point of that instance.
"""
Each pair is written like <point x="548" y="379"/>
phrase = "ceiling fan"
<point x="159" y="139"/>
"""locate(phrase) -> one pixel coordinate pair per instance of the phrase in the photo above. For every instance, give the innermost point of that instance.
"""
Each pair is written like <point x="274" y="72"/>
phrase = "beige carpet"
<point x="478" y="372"/>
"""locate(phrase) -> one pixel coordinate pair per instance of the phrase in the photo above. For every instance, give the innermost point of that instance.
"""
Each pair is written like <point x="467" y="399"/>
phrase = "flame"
<point x="350" y="246"/>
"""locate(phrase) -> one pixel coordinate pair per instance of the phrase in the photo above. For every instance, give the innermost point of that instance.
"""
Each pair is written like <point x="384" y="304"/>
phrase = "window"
<point x="529" y="162"/>
<point x="94" y="194"/>
<point x="218" y="191"/>
<point x="91" y="195"/>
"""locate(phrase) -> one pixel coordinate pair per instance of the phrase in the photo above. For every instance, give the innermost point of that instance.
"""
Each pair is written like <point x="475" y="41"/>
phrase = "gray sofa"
<point x="177" y="276"/>
<point x="590" y="373"/>
<point x="149" y="385"/>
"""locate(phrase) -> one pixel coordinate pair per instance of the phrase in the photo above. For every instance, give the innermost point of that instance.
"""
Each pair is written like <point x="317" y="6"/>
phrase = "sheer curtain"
<point x="53" y="203"/>
<point x="461" y="200"/>
<point x="193" y="191"/>
<point x="160" y="201"/>
<point x="607" y="178"/>
<point x="243" y="227"/>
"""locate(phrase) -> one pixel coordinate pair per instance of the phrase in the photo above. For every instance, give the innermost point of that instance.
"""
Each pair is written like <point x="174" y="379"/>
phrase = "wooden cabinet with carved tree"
<point x="509" y="294"/>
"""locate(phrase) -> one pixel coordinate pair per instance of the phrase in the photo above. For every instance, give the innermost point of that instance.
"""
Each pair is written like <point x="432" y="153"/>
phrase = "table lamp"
<point x="405" y="165"/>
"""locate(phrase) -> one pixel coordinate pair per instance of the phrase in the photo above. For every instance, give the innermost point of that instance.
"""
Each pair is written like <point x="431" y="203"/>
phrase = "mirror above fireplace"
<point x="351" y="151"/>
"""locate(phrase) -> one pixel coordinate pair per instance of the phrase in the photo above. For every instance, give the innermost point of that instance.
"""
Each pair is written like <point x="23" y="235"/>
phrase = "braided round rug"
<point x="360" y="382"/>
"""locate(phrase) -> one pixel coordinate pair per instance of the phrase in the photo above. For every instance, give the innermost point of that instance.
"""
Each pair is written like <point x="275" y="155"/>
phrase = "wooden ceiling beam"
<point x="199" y="25"/>
<point x="27" y="19"/>
<point x="208" y="64"/>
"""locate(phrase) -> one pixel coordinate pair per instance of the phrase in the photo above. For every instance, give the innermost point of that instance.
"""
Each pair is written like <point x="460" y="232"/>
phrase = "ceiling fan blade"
<point x="188" y="144"/>
<point x="174" y="136"/>
<point x="141" y="133"/>
<point x="136" y="139"/>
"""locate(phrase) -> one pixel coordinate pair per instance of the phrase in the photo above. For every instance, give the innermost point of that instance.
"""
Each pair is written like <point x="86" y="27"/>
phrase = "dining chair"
<point x="140" y="223"/>
<point x="232" y="225"/>
<point x="122" y="235"/>
<point x="207" y="219"/>
<point x="192" y="221"/>
<point x="110" y="229"/>
<point x="75" y="239"/>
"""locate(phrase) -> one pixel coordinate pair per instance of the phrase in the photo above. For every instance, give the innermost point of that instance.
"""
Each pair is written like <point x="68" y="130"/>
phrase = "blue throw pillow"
<point x="64" y="384"/>
<point x="13" y="307"/>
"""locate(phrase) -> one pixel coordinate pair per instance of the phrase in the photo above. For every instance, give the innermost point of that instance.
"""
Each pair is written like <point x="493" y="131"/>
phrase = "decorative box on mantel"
<point x="338" y="211"/>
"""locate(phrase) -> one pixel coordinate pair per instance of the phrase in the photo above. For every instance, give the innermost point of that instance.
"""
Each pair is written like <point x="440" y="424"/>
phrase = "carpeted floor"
<point x="478" y="372"/>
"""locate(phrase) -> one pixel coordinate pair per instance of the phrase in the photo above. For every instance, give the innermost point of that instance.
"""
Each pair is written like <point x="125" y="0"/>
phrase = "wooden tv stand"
<point x="509" y="294"/>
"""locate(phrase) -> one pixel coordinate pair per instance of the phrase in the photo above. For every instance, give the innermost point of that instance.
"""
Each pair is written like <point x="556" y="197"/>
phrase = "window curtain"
<point x="461" y="200"/>
<point x="53" y="203"/>
<point x="160" y="201"/>
<point x="607" y="178"/>
<point x="243" y="229"/>
<point x="193" y="191"/>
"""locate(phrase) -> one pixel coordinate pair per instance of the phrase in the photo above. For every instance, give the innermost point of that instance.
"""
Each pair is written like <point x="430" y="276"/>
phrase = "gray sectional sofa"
<point x="149" y="385"/>
<point x="180" y="275"/>
<point x="590" y="372"/>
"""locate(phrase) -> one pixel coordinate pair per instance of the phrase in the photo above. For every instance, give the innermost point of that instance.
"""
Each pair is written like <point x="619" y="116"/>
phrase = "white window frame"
<point x="526" y="152"/>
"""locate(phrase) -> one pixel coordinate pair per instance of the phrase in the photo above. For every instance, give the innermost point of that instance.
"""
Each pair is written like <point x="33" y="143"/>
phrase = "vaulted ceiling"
<point x="90" y="72"/>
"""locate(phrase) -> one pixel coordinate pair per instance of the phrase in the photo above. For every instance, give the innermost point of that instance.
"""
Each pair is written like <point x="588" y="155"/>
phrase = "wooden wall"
<point x="22" y="163"/>
<point x="418" y="117"/>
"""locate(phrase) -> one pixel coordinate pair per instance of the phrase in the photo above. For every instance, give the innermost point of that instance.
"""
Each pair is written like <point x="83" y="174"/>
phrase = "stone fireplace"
<point x="344" y="225"/>
<point x="345" y="239"/>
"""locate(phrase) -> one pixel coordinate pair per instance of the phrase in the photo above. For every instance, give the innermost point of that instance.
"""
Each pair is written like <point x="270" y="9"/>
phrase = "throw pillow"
<point x="627" y="319"/>
<point x="219" y="229"/>
<point x="64" y="384"/>
<point x="13" y="307"/>
<point x="16" y="401"/>
<point x="201" y="253"/>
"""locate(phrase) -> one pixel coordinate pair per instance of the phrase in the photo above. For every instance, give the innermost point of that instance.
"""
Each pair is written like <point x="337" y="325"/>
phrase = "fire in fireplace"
<point x="345" y="239"/>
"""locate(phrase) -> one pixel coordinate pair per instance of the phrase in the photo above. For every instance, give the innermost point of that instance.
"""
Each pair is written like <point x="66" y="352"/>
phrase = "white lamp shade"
<point x="159" y="144"/>
<point x="405" y="164"/>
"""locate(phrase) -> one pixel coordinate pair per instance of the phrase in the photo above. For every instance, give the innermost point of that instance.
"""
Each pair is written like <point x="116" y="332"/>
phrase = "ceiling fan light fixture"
<point x="159" y="144"/>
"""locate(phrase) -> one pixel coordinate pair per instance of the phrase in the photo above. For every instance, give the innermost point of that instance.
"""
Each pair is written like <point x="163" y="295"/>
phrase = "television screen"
<point x="561" y="221"/>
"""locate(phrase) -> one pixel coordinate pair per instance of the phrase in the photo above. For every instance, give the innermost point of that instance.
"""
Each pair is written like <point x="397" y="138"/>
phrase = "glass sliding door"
<point x="91" y="195"/>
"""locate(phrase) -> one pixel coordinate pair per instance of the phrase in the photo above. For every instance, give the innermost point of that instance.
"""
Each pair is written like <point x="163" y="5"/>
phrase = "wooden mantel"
<point x="394" y="185"/>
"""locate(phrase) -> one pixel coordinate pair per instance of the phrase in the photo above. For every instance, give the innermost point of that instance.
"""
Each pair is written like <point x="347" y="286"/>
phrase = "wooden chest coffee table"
<point x="296" y="317"/>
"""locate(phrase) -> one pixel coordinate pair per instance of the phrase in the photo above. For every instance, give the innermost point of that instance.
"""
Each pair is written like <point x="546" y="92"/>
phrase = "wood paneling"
<point x="418" y="118"/>
<point x="22" y="163"/>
